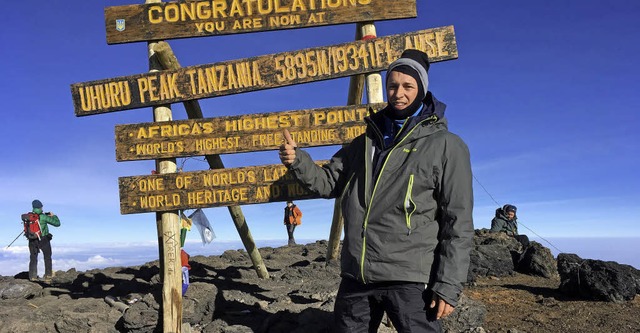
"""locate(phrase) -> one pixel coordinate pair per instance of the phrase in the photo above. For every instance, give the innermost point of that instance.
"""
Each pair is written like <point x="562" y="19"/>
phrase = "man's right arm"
<point x="326" y="181"/>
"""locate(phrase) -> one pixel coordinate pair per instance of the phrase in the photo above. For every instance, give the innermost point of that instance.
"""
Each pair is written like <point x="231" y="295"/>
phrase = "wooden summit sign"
<point x="167" y="20"/>
<point x="211" y="188"/>
<point x="262" y="72"/>
<point x="243" y="133"/>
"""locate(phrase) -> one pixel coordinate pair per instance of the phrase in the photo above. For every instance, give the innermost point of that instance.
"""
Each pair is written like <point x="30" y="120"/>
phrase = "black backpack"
<point x="31" y="223"/>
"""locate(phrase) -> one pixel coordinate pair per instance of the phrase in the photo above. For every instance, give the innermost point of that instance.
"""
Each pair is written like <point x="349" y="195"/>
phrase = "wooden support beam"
<point x="168" y="60"/>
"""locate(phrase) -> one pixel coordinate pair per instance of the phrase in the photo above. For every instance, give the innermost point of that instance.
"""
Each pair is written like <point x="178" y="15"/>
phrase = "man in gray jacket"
<point x="407" y="201"/>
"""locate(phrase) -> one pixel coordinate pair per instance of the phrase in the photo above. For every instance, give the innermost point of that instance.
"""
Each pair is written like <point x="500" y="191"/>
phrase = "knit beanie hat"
<point x="414" y="63"/>
<point x="509" y="208"/>
<point x="36" y="204"/>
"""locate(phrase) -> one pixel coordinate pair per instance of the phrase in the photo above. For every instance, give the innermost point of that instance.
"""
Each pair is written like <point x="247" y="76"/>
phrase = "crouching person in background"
<point x="506" y="221"/>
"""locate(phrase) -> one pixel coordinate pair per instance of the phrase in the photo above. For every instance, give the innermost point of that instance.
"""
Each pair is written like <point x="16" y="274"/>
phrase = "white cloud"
<point x="86" y="256"/>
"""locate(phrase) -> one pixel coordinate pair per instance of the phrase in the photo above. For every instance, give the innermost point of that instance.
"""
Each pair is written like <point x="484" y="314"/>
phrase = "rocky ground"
<point x="524" y="303"/>
<point x="227" y="296"/>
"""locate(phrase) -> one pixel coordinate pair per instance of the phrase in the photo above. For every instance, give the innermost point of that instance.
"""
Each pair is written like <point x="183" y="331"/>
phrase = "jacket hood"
<point x="501" y="215"/>
<point x="433" y="108"/>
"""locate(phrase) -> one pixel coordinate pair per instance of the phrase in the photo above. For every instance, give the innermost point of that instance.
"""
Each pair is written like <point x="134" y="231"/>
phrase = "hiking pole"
<point x="20" y="234"/>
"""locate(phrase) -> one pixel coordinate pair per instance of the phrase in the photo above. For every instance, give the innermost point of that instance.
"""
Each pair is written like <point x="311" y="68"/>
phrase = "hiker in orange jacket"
<point x="292" y="218"/>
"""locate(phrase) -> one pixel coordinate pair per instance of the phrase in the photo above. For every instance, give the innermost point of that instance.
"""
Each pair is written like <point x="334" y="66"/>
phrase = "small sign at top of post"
<point x="168" y="20"/>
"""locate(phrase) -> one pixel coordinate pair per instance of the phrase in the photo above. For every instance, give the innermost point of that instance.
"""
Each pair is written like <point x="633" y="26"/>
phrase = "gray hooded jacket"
<point x="409" y="220"/>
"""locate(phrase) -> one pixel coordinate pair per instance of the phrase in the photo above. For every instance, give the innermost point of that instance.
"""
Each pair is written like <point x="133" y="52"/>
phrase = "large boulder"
<point x="486" y="237"/>
<point x="64" y="278"/>
<point x="596" y="279"/>
<point x="143" y="315"/>
<point x="537" y="260"/>
<point x="11" y="288"/>
<point x="494" y="254"/>
<point x="85" y="315"/>
<point x="490" y="260"/>
<point x="468" y="316"/>
<point x="198" y="303"/>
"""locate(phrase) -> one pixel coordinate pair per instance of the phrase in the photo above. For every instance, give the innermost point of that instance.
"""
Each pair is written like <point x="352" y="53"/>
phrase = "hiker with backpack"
<point x="292" y="218"/>
<point x="36" y="229"/>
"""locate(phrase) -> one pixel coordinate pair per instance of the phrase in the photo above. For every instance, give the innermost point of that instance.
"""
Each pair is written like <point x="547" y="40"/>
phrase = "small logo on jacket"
<point x="120" y="25"/>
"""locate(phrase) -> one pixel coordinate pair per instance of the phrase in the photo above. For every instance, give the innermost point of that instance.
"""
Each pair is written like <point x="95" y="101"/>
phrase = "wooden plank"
<point x="257" y="73"/>
<point x="211" y="188"/>
<point x="135" y="23"/>
<point x="243" y="133"/>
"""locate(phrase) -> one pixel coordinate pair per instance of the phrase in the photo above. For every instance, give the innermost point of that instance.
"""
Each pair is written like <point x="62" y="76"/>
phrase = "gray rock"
<point x="490" y="260"/>
<point x="86" y="315"/>
<point x="141" y="317"/>
<point x="537" y="260"/>
<point x="597" y="279"/>
<point x="198" y="304"/>
<point x="11" y="288"/>
<point x="468" y="315"/>
<point x="64" y="278"/>
<point x="485" y="237"/>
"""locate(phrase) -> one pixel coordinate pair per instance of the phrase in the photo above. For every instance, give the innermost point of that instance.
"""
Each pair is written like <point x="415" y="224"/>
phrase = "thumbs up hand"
<point x="287" y="149"/>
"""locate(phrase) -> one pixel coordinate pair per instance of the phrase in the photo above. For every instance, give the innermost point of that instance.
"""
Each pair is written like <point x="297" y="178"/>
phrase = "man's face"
<point x="511" y="215"/>
<point x="289" y="204"/>
<point x="402" y="90"/>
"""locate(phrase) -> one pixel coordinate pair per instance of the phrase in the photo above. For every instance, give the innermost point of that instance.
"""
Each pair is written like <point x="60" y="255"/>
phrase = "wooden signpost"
<point x="257" y="73"/>
<point x="211" y="188"/>
<point x="134" y="23"/>
<point x="166" y="83"/>
<point x="234" y="134"/>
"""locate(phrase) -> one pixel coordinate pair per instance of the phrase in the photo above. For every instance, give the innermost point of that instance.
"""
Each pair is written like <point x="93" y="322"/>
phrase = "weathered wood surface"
<point x="257" y="73"/>
<point x="168" y="226"/>
<point x="211" y="188"/>
<point x="134" y="23"/>
<point x="243" y="133"/>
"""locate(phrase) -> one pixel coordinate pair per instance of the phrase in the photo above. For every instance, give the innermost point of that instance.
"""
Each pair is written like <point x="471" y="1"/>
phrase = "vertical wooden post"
<point x="168" y="224"/>
<point x="168" y="60"/>
<point x="374" y="80"/>
<point x="374" y="95"/>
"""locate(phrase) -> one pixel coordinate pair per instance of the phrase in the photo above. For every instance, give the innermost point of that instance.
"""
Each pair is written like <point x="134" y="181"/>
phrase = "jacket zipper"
<point x="366" y="217"/>
<point x="408" y="203"/>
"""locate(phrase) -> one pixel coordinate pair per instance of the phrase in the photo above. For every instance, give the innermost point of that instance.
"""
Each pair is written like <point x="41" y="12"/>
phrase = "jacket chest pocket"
<point x="420" y="198"/>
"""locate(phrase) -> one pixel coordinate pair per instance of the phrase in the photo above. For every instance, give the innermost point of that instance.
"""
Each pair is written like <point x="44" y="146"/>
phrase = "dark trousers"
<point x="35" y="246"/>
<point x="359" y="308"/>
<point x="290" y="229"/>
<point x="524" y="240"/>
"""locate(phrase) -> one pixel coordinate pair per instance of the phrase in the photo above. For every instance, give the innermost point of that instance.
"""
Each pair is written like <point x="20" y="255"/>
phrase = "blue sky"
<point x="544" y="93"/>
